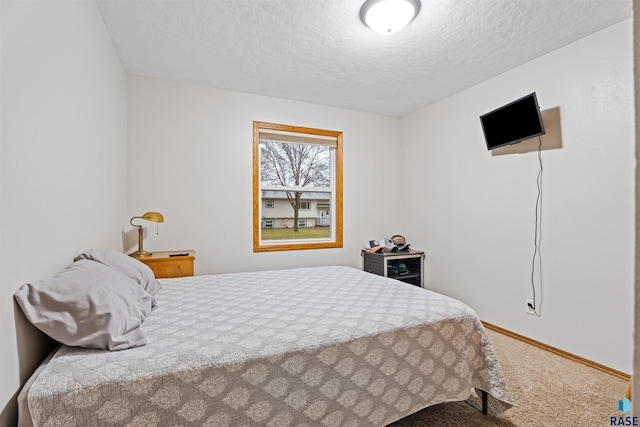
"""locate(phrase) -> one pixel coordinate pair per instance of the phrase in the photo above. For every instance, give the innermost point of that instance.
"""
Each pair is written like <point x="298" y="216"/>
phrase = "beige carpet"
<point x="548" y="390"/>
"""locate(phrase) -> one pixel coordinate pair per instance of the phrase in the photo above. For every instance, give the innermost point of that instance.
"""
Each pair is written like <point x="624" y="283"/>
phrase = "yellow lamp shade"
<point x="153" y="216"/>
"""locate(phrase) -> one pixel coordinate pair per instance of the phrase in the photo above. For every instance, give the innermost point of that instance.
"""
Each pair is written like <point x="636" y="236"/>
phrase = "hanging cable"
<point x="538" y="225"/>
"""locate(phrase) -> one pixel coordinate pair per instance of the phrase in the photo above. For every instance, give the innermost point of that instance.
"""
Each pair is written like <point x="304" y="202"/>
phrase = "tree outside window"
<point x="300" y="171"/>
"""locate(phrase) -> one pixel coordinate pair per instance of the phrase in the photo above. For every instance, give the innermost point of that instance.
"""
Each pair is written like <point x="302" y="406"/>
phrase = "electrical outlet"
<point x="530" y="309"/>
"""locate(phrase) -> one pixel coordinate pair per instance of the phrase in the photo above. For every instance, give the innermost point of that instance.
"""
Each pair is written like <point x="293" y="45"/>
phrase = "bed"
<point x="326" y="346"/>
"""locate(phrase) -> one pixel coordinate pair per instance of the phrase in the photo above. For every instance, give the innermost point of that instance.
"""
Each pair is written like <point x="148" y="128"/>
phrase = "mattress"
<point x="330" y="346"/>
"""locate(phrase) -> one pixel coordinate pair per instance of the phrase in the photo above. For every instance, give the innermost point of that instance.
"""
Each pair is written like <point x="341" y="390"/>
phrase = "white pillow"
<point x="126" y="265"/>
<point x="88" y="305"/>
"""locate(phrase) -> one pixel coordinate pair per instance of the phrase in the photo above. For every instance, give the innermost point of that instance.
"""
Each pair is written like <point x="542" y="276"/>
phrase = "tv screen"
<point x="512" y="123"/>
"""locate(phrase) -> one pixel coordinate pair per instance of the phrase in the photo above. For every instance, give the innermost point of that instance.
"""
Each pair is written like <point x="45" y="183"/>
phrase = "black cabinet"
<point x="407" y="266"/>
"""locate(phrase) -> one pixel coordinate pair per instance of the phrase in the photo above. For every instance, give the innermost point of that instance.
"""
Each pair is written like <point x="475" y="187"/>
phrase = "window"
<point x="268" y="203"/>
<point x="296" y="168"/>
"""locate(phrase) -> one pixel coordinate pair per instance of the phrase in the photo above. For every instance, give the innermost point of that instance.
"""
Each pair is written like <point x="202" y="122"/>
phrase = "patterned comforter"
<point x="330" y="346"/>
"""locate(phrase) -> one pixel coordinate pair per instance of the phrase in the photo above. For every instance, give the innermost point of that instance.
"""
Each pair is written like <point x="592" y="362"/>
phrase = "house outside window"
<point x="297" y="173"/>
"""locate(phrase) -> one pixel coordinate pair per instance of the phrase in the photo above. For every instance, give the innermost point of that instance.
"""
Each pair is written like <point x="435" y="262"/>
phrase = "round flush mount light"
<point x="388" y="16"/>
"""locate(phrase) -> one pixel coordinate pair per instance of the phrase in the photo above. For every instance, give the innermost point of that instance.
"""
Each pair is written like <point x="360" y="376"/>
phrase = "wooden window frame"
<point x="337" y="240"/>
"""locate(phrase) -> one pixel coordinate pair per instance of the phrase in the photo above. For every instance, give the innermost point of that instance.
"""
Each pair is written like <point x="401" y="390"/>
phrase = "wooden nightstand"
<point x="170" y="263"/>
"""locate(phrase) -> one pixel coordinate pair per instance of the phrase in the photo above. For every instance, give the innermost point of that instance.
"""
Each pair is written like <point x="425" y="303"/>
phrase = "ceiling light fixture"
<point x="388" y="16"/>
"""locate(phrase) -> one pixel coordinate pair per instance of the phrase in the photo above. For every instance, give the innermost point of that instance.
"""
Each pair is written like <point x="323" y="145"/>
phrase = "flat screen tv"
<point x="512" y="123"/>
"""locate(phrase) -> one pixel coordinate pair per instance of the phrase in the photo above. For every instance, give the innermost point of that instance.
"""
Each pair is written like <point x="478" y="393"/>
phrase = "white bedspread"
<point x="330" y="346"/>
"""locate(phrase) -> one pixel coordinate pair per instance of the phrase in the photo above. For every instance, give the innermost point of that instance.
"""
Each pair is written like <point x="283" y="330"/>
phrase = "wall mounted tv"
<point x="512" y="123"/>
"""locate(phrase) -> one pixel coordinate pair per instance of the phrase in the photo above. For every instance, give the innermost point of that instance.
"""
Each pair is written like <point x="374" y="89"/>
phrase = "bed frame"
<point x="485" y="403"/>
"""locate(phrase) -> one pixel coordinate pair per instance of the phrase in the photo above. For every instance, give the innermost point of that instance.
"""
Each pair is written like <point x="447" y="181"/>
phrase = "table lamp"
<point x="149" y="216"/>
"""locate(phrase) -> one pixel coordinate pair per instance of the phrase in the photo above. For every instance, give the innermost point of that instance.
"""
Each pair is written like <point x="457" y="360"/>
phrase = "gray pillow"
<point x="126" y="265"/>
<point x="88" y="305"/>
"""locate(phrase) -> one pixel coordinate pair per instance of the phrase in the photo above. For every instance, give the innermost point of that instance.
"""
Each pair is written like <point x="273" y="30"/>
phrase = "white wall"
<point x="62" y="170"/>
<point x="189" y="156"/>
<point x="636" y="333"/>
<point x="474" y="213"/>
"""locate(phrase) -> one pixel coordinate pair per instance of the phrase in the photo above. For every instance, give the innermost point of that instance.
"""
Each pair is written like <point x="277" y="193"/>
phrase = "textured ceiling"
<point x="318" y="51"/>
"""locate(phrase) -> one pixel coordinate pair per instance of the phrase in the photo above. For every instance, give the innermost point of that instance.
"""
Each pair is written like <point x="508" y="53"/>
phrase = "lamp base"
<point x="140" y="254"/>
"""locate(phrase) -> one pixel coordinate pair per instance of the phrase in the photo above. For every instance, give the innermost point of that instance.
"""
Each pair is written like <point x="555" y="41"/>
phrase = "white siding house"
<point x="277" y="212"/>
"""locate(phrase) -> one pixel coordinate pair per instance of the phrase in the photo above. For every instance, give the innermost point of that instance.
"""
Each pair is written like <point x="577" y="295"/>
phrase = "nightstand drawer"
<point x="170" y="264"/>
